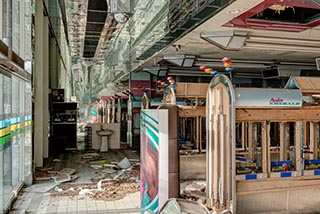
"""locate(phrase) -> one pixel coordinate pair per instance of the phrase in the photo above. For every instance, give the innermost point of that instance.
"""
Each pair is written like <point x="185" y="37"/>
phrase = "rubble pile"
<point x="59" y="176"/>
<point x="111" y="190"/>
<point x="112" y="181"/>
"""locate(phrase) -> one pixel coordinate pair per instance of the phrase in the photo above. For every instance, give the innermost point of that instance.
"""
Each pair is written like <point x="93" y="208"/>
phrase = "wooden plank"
<point x="298" y="145"/>
<point x="192" y="112"/>
<point x="191" y="89"/>
<point x="276" y="184"/>
<point x="283" y="142"/>
<point x="197" y="133"/>
<point x="313" y="141"/>
<point x="277" y="115"/>
<point x="252" y="142"/>
<point x="200" y="121"/>
<point x="268" y="147"/>
<point x="264" y="148"/>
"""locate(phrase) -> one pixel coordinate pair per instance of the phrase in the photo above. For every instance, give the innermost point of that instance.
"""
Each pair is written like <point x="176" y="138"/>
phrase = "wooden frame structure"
<point x="282" y="128"/>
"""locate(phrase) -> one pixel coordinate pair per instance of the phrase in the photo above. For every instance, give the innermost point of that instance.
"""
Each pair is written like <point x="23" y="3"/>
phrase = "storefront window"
<point x="7" y="150"/>
<point x="1" y="142"/>
<point x="16" y="26"/>
<point x="27" y="55"/>
<point x="27" y="134"/>
<point x="15" y="131"/>
<point x="6" y="21"/>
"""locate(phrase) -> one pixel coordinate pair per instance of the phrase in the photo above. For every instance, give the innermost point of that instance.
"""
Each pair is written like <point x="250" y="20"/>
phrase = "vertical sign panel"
<point x="154" y="146"/>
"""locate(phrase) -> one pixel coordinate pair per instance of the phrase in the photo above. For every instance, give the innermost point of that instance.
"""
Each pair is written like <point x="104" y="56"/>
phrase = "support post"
<point x="252" y="143"/>
<point x="283" y="141"/>
<point x="299" y="139"/>
<point x="45" y="86"/>
<point x="38" y="86"/>
<point x="264" y="148"/>
<point x="313" y="140"/>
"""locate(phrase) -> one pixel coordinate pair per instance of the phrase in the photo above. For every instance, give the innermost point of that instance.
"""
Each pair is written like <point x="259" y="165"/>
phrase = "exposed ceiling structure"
<point x="256" y="34"/>
<point x="90" y="28"/>
<point x="96" y="17"/>
<point x="243" y="31"/>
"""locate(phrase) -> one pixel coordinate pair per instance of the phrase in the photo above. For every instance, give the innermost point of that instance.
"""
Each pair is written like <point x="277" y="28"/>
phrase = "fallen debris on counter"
<point x="195" y="191"/>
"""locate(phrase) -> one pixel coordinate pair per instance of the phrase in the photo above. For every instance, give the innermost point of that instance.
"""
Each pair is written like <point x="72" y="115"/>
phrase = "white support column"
<point x="38" y="86"/>
<point x="45" y="86"/>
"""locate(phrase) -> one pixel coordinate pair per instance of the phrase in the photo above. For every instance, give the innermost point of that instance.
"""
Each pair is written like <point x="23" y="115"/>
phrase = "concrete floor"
<point x="40" y="197"/>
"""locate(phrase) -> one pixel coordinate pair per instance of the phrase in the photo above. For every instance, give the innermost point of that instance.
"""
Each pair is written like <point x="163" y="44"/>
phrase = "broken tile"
<point x="68" y="171"/>
<point x="96" y="166"/>
<point x="82" y="161"/>
<point x="109" y="171"/>
<point x="43" y="169"/>
<point x="124" y="163"/>
<point x="47" y="178"/>
<point x="62" y="178"/>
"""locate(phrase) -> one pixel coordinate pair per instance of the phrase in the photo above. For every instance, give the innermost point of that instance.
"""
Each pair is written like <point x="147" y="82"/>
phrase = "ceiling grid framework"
<point x="96" y="17"/>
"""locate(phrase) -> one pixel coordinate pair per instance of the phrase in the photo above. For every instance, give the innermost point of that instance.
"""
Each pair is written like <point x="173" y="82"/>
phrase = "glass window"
<point x="1" y="142"/>
<point x="27" y="55"/>
<point x="15" y="131"/>
<point x="16" y="26"/>
<point x="6" y="21"/>
<point x="27" y="140"/>
<point x="6" y="140"/>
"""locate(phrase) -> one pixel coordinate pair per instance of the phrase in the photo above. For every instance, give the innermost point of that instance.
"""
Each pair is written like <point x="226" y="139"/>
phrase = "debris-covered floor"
<point x="78" y="182"/>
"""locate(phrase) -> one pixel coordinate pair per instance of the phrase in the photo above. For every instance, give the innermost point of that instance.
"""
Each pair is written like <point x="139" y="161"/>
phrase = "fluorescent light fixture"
<point x="236" y="40"/>
<point x="279" y="40"/>
<point x="180" y="60"/>
<point x="227" y="40"/>
<point x="281" y="47"/>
